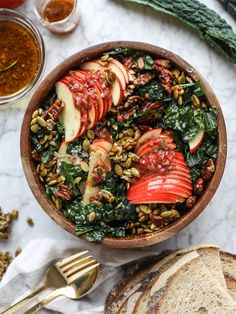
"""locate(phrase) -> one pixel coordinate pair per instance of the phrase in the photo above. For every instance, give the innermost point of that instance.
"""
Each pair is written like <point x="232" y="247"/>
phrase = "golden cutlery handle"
<point x="24" y="301"/>
<point x="53" y="295"/>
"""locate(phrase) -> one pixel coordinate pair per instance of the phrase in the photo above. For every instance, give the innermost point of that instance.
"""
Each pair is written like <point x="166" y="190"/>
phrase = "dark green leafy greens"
<point x="153" y="91"/>
<point x="188" y="121"/>
<point x="71" y="172"/>
<point x="111" y="219"/>
<point x="212" y="28"/>
<point x="230" y="6"/>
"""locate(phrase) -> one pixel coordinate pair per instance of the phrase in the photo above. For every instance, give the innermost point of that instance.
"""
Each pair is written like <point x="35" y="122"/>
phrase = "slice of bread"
<point x="121" y="292"/>
<point x="191" y="289"/>
<point x="210" y="256"/>
<point x="228" y="262"/>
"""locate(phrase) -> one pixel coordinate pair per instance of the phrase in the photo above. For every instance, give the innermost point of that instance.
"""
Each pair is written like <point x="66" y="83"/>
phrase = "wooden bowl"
<point x="30" y="169"/>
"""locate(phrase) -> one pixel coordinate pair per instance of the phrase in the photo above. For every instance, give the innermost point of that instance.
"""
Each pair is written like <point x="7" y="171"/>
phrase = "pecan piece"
<point x="64" y="192"/>
<point x="164" y="75"/>
<point x="35" y="156"/>
<point x="208" y="170"/>
<point x="143" y="79"/>
<point x="54" y="110"/>
<point x="198" y="187"/>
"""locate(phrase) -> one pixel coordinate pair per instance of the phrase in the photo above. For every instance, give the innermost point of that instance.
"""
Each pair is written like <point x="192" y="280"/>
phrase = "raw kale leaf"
<point x="208" y="150"/>
<point x="119" y="51"/>
<point x="212" y="28"/>
<point x="110" y="219"/>
<point x="153" y="91"/>
<point x="188" y="120"/>
<point x="148" y="62"/>
<point x="70" y="171"/>
<point x="75" y="147"/>
<point x="230" y="6"/>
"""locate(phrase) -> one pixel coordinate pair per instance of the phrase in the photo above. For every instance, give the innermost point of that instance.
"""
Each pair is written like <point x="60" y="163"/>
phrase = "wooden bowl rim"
<point x="37" y="187"/>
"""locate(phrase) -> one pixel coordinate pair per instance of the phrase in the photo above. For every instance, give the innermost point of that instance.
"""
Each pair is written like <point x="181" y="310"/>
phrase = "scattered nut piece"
<point x="30" y="222"/>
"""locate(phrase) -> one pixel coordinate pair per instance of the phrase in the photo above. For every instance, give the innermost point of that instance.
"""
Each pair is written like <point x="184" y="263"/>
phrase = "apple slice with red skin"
<point x="104" y="143"/>
<point x="80" y="101"/>
<point x="159" y="180"/>
<point x="158" y="189"/>
<point x="151" y="145"/>
<point x="71" y="117"/>
<point x="122" y="68"/>
<point x="154" y="133"/>
<point x="93" y="112"/>
<point x="93" y="91"/>
<point x="196" y="142"/>
<point x="170" y="175"/>
<point x="160" y="198"/>
<point x="95" y="148"/>
<point x="117" y="87"/>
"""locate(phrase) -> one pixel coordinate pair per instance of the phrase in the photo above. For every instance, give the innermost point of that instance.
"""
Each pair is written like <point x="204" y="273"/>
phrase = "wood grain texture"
<point x="37" y="187"/>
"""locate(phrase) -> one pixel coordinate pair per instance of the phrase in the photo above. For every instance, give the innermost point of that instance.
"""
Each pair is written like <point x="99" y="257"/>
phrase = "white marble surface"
<point x="106" y="20"/>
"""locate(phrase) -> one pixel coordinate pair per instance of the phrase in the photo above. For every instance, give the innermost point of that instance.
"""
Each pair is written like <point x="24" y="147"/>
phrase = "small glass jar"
<point x="11" y="4"/>
<point x="62" y="26"/>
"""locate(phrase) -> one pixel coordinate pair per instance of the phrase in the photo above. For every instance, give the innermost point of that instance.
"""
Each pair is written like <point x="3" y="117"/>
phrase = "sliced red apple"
<point x="80" y="100"/>
<point x="94" y="91"/>
<point x="71" y="117"/>
<point x="91" y="66"/>
<point x="63" y="156"/>
<point x="160" y="198"/>
<point x="104" y="143"/>
<point x="196" y="142"/>
<point x="154" y="133"/>
<point x="99" y="157"/>
<point x="152" y="145"/>
<point x="122" y="68"/>
<point x="93" y="111"/>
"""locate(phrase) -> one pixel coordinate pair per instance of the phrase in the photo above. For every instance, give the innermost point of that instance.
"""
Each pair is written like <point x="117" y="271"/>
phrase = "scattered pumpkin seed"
<point x="18" y="251"/>
<point x="91" y="134"/>
<point x="30" y="222"/>
<point x="35" y="114"/>
<point x="84" y="166"/>
<point x="86" y="145"/>
<point x="118" y="170"/>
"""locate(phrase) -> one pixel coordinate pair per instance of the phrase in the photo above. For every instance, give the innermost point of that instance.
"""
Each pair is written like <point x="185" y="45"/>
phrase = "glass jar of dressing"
<point x="59" y="16"/>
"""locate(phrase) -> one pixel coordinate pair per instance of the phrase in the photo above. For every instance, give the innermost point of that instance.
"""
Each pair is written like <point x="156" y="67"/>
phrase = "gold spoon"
<point x="8" y="66"/>
<point x="73" y="291"/>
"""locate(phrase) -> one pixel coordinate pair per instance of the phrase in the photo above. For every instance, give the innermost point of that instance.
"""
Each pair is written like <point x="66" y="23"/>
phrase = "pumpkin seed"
<point x="35" y="114"/>
<point x="180" y="101"/>
<point x="142" y="218"/>
<point x="91" y="216"/>
<point x="58" y="204"/>
<point x="52" y="143"/>
<point x="86" y="145"/>
<point x="176" y="93"/>
<point x="77" y="180"/>
<point x="135" y="172"/>
<point x="118" y="170"/>
<point x="166" y="214"/>
<point x="91" y="134"/>
<point x="41" y="121"/>
<point x="52" y="182"/>
<point x="30" y="221"/>
<point x="195" y="101"/>
<point x="44" y="173"/>
<point x="34" y="121"/>
<point x="137" y="134"/>
<point x="50" y="125"/>
<point x="84" y="166"/>
<point x="43" y="140"/>
<point x="147" y="230"/>
<point x="128" y="162"/>
<point x="145" y="209"/>
<point x="18" y="251"/>
<point x="34" y="128"/>
<point x="130" y="132"/>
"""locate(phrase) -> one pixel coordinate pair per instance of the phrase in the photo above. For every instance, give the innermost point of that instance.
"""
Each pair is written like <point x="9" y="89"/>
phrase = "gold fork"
<point x="73" y="291"/>
<point x="59" y="275"/>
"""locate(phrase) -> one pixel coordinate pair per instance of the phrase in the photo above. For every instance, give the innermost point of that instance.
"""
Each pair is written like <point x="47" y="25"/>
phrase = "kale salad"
<point x="125" y="144"/>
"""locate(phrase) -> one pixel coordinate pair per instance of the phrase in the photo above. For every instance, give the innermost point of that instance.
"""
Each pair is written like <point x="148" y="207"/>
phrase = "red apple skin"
<point x="94" y="148"/>
<point x="195" y="143"/>
<point x="122" y="68"/>
<point x="107" y="145"/>
<point x="84" y="113"/>
<point x="163" y="198"/>
<point x="151" y="145"/>
<point x="93" y="112"/>
<point x="154" y="133"/>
